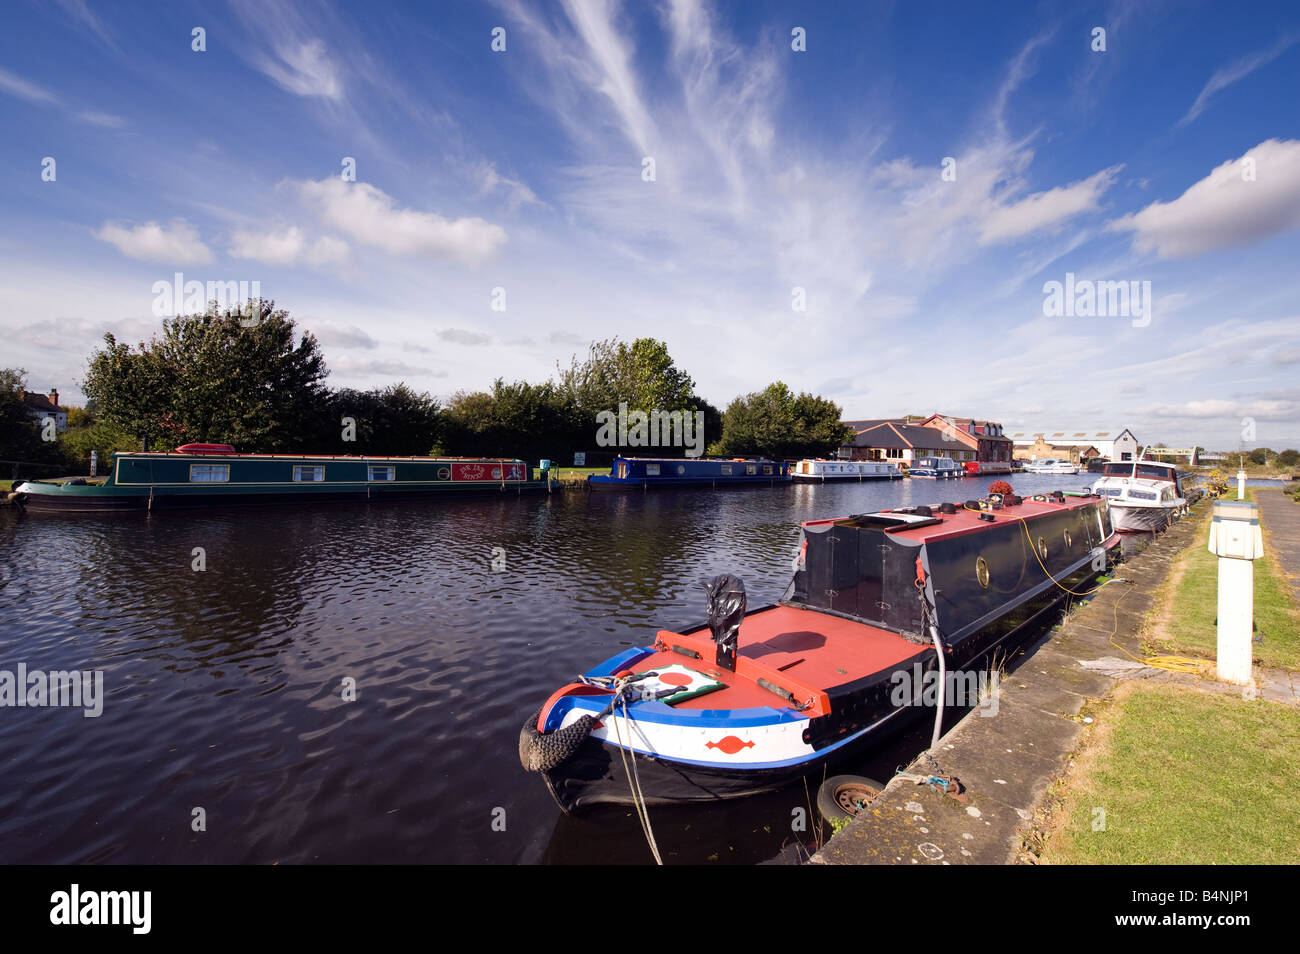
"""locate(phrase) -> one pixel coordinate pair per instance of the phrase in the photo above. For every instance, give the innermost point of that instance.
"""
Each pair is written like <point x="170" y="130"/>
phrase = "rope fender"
<point x="541" y="753"/>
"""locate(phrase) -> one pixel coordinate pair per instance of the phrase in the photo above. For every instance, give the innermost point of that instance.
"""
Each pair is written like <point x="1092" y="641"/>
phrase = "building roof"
<point x="39" y="402"/>
<point x="900" y="436"/>
<point x="1072" y="438"/>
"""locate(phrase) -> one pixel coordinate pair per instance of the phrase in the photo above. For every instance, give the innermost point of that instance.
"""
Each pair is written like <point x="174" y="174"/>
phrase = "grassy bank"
<point x="1181" y="776"/>
<point x="1184" y="622"/>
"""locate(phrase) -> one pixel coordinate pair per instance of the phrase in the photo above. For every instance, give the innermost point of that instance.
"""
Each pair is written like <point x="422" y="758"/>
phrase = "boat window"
<point x="1150" y="470"/>
<point x="1116" y="470"/>
<point x="308" y="473"/>
<point x="378" y="472"/>
<point x="652" y="470"/>
<point x="751" y="468"/>
<point x="209" y="473"/>
<point x="726" y="469"/>
<point x="622" y="470"/>
<point x="1142" y="494"/>
<point x="767" y="468"/>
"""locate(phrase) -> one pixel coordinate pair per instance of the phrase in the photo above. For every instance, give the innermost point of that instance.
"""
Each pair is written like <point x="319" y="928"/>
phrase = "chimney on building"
<point x="54" y="397"/>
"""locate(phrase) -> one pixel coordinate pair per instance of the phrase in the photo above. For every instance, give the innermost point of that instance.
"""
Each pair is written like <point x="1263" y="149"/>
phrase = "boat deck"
<point x="800" y="650"/>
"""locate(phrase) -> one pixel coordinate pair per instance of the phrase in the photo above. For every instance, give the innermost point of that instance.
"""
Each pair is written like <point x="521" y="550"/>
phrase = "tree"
<point x="20" y="433"/>
<point x="1260" y="455"/>
<point x="776" y="423"/>
<point x="395" y="421"/>
<point x="642" y="374"/>
<point x="531" y="421"/>
<point x="1289" y="457"/>
<point x="214" y="378"/>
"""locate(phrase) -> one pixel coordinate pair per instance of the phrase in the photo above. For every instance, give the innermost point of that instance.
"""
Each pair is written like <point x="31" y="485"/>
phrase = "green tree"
<point x="776" y="423"/>
<point x="1260" y="455"/>
<point x="393" y="421"/>
<point x="531" y="421"/>
<point x="1289" y="457"/>
<point x="20" y="433"/>
<point x="215" y="378"/>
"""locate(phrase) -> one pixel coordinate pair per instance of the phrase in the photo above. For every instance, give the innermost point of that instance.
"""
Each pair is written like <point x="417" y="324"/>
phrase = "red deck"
<point x="800" y="650"/>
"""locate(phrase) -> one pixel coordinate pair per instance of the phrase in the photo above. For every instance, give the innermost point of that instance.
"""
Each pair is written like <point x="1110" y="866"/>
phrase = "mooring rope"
<point x="633" y="776"/>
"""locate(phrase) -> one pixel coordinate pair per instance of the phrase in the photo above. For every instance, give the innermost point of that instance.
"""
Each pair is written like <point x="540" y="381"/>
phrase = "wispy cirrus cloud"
<point x="1227" y="75"/>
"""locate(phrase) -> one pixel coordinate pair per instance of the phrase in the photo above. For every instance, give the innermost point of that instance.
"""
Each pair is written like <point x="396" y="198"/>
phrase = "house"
<point x="903" y="443"/>
<point x="983" y="437"/>
<point x="40" y="406"/>
<point x="1076" y="445"/>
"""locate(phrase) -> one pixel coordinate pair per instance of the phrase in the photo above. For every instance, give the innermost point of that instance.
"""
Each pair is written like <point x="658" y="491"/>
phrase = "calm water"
<point x="223" y="688"/>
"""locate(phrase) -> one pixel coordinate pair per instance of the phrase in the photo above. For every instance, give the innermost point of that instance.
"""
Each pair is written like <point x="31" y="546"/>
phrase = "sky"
<point x="888" y="204"/>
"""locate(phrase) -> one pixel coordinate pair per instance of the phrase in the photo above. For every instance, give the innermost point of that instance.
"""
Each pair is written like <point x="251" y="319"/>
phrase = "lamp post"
<point x="1236" y="539"/>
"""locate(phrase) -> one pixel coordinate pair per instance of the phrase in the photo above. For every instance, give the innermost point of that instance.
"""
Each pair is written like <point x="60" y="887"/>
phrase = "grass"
<point x="1183" y="777"/>
<point x="1190" y="601"/>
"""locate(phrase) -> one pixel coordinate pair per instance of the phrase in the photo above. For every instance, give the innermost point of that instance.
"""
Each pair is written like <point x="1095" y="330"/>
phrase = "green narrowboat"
<point x="207" y="475"/>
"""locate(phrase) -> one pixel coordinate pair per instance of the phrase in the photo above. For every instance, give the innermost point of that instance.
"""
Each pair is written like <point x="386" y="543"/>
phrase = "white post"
<point x="1236" y="539"/>
<point x="1241" y="484"/>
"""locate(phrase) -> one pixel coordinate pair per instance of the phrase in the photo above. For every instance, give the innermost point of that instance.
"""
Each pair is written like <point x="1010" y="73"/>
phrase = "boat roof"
<point x="199" y="455"/>
<point x="940" y="526"/>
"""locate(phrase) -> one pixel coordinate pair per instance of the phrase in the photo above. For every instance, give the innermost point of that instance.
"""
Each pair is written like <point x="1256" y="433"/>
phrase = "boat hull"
<point x="1140" y="519"/>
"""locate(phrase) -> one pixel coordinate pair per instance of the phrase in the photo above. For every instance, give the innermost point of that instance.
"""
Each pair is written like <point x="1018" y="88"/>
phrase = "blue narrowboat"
<point x="643" y="473"/>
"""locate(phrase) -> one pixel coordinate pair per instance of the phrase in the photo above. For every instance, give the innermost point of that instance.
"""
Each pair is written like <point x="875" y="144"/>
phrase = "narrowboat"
<point x="938" y="467"/>
<point x="646" y="473"/>
<point x="977" y="468"/>
<point x="1146" y="496"/>
<point x="821" y="470"/>
<point x="750" y="700"/>
<point x="205" y="475"/>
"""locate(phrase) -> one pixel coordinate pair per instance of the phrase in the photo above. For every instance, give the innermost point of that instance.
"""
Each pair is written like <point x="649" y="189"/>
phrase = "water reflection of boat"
<point x="751" y="700"/>
<point x="207" y="475"/>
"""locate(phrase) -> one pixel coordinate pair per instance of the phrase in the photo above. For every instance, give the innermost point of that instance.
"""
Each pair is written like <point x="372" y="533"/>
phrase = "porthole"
<point x="982" y="572"/>
<point x="1042" y="548"/>
<point x="681" y="469"/>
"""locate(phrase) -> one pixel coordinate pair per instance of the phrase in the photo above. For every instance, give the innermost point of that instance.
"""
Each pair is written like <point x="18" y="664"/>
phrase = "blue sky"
<point x="1170" y="157"/>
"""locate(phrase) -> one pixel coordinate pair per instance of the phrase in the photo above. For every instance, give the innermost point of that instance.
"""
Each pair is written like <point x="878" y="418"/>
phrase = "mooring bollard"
<point x="1236" y="539"/>
<point x="1241" y="484"/>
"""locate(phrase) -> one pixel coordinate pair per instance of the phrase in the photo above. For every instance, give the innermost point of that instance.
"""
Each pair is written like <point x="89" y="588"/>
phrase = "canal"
<point x="224" y="686"/>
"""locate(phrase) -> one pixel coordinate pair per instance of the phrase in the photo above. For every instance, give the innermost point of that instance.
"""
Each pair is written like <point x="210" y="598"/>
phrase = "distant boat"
<point x="645" y="473"/>
<point x="207" y="475"/>
<point x="1051" y="465"/>
<point x="939" y="467"/>
<point x="1146" y="495"/>
<point x="819" y="470"/>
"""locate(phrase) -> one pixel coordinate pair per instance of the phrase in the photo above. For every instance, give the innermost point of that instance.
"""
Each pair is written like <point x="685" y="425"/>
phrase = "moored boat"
<point x="205" y="475"/>
<point x="1146" y="495"/>
<point x="820" y="470"/>
<point x="751" y="700"/>
<point x="938" y="467"/>
<point x="1051" y="465"/>
<point x="646" y="473"/>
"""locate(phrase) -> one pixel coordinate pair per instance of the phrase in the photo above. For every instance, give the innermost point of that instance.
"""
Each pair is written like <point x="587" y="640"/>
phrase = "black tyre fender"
<point x="837" y="794"/>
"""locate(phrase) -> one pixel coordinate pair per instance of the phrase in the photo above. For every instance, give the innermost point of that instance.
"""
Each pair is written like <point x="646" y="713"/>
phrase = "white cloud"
<point x="106" y="120"/>
<point x="368" y="216"/>
<point x="1046" y="209"/>
<point x="461" y="336"/>
<point x="304" y="68"/>
<point x="1224" y="209"/>
<point x="339" y="334"/>
<point x="287" y="247"/>
<point x="178" y="244"/>
<point x="1227" y="75"/>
